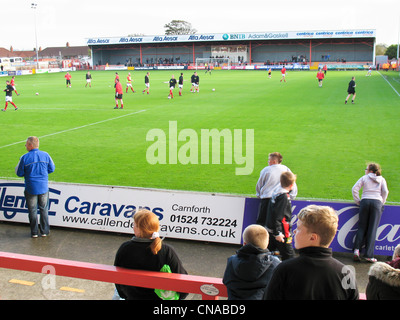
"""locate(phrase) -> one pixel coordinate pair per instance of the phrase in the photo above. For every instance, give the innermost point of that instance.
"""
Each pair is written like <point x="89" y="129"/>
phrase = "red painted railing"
<point x="208" y="287"/>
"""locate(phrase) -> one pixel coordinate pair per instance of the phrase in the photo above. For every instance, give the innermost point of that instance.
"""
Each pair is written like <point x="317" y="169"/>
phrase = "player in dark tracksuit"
<point x="172" y="84"/>
<point x="147" y="83"/>
<point x="8" y="90"/>
<point x="180" y="84"/>
<point x="195" y="79"/>
<point x="351" y="90"/>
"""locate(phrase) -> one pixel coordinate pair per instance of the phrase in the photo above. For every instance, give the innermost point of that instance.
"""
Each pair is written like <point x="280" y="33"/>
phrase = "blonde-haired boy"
<point x="248" y="271"/>
<point x="314" y="274"/>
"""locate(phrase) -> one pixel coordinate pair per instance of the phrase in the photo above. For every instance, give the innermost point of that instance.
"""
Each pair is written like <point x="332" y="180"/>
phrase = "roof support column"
<point x="194" y="56"/>
<point x="141" y="56"/>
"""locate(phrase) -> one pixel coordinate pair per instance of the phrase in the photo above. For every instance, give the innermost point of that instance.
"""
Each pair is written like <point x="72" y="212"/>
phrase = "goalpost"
<point x="203" y="63"/>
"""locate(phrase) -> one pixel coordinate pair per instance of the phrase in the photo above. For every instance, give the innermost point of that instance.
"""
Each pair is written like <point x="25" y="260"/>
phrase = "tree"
<point x="179" y="27"/>
<point x="391" y="52"/>
<point x="380" y="49"/>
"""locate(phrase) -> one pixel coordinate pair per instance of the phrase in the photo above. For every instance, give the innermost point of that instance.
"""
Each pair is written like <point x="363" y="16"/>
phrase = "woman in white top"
<point x="374" y="195"/>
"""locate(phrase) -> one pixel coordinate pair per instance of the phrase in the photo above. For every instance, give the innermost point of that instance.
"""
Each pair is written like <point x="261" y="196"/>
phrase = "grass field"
<point x="325" y="142"/>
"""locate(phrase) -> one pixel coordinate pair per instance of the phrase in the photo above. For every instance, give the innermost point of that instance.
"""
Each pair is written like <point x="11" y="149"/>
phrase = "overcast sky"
<point x="73" y="21"/>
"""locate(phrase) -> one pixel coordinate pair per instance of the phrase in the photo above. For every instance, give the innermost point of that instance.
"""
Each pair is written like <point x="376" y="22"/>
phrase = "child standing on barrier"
<point x="146" y="251"/>
<point x="279" y="216"/>
<point x="248" y="272"/>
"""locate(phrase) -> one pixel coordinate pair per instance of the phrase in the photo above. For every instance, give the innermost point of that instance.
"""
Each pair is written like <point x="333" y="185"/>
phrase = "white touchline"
<point x="389" y="83"/>
<point x="76" y="128"/>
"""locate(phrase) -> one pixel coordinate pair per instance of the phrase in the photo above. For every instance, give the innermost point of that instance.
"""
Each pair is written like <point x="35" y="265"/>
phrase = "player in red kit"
<point x="129" y="83"/>
<point x="68" y="79"/>
<point x="283" y="71"/>
<point x="320" y="77"/>
<point x="118" y="94"/>
<point x="12" y="83"/>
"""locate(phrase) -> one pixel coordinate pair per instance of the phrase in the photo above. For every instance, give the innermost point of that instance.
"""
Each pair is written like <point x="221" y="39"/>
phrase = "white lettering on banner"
<point x="392" y="233"/>
<point x="347" y="229"/>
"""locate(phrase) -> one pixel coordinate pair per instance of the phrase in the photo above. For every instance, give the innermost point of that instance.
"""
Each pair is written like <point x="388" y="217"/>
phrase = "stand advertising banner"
<point x="388" y="234"/>
<point x="183" y="215"/>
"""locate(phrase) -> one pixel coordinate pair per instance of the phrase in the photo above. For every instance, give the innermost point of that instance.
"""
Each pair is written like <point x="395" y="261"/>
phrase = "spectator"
<point x="35" y="167"/>
<point x="395" y="263"/>
<point x="314" y="274"/>
<point x="270" y="179"/>
<point x="248" y="272"/>
<point x="146" y="251"/>
<point x="279" y="217"/>
<point x="384" y="279"/>
<point x="373" y="198"/>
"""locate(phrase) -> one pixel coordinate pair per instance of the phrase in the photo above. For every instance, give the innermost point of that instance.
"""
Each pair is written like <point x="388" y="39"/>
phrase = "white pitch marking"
<point x="76" y="128"/>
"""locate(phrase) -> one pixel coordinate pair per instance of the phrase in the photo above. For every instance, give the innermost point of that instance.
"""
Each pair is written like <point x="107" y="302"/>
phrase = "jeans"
<point x="369" y="218"/>
<point x="35" y="202"/>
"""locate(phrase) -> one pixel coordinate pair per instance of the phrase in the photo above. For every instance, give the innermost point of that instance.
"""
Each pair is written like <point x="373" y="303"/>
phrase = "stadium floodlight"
<point x="202" y="63"/>
<point x="34" y="6"/>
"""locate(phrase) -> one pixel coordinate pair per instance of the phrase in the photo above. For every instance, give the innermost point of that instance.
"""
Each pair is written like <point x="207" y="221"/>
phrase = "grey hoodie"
<point x="373" y="187"/>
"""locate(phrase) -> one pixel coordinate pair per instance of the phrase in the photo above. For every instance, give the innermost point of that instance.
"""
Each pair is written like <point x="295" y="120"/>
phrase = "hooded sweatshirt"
<point x="374" y="187"/>
<point x="384" y="282"/>
<point x="247" y="273"/>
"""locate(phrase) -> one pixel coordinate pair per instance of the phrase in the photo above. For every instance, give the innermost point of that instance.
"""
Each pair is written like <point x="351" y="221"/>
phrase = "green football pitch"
<point x="325" y="142"/>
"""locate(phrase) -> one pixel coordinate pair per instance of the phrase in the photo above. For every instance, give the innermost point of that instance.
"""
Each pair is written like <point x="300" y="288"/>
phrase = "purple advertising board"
<point x="387" y="237"/>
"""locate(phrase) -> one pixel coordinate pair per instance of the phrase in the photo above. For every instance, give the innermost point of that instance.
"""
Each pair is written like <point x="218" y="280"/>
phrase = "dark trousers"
<point x="285" y="249"/>
<point x="262" y="212"/>
<point x="369" y="217"/>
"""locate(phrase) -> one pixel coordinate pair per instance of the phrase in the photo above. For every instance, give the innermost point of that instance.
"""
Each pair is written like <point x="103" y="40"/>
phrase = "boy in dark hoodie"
<point x="248" y="272"/>
<point x="279" y="215"/>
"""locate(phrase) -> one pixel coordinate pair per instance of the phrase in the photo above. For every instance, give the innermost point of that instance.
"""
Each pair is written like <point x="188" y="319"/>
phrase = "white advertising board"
<point x="183" y="215"/>
<point x="266" y="35"/>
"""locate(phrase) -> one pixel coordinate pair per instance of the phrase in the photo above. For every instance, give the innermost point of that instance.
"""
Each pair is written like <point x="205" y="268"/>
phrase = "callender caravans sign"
<point x="183" y="215"/>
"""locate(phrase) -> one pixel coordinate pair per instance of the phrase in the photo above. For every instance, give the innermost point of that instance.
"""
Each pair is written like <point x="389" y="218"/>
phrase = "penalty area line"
<point x="389" y="83"/>
<point x="77" y="128"/>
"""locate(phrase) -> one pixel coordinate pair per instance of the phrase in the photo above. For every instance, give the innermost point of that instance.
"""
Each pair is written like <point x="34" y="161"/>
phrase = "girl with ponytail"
<point x="146" y="251"/>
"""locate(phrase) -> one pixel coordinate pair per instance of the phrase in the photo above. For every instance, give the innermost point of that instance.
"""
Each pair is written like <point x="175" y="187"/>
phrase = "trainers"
<point x="371" y="260"/>
<point x="3" y="110"/>
<point x="34" y="236"/>
<point x="356" y="255"/>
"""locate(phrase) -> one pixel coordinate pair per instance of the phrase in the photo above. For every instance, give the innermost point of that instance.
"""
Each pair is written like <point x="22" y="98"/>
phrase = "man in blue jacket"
<point x="35" y="167"/>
